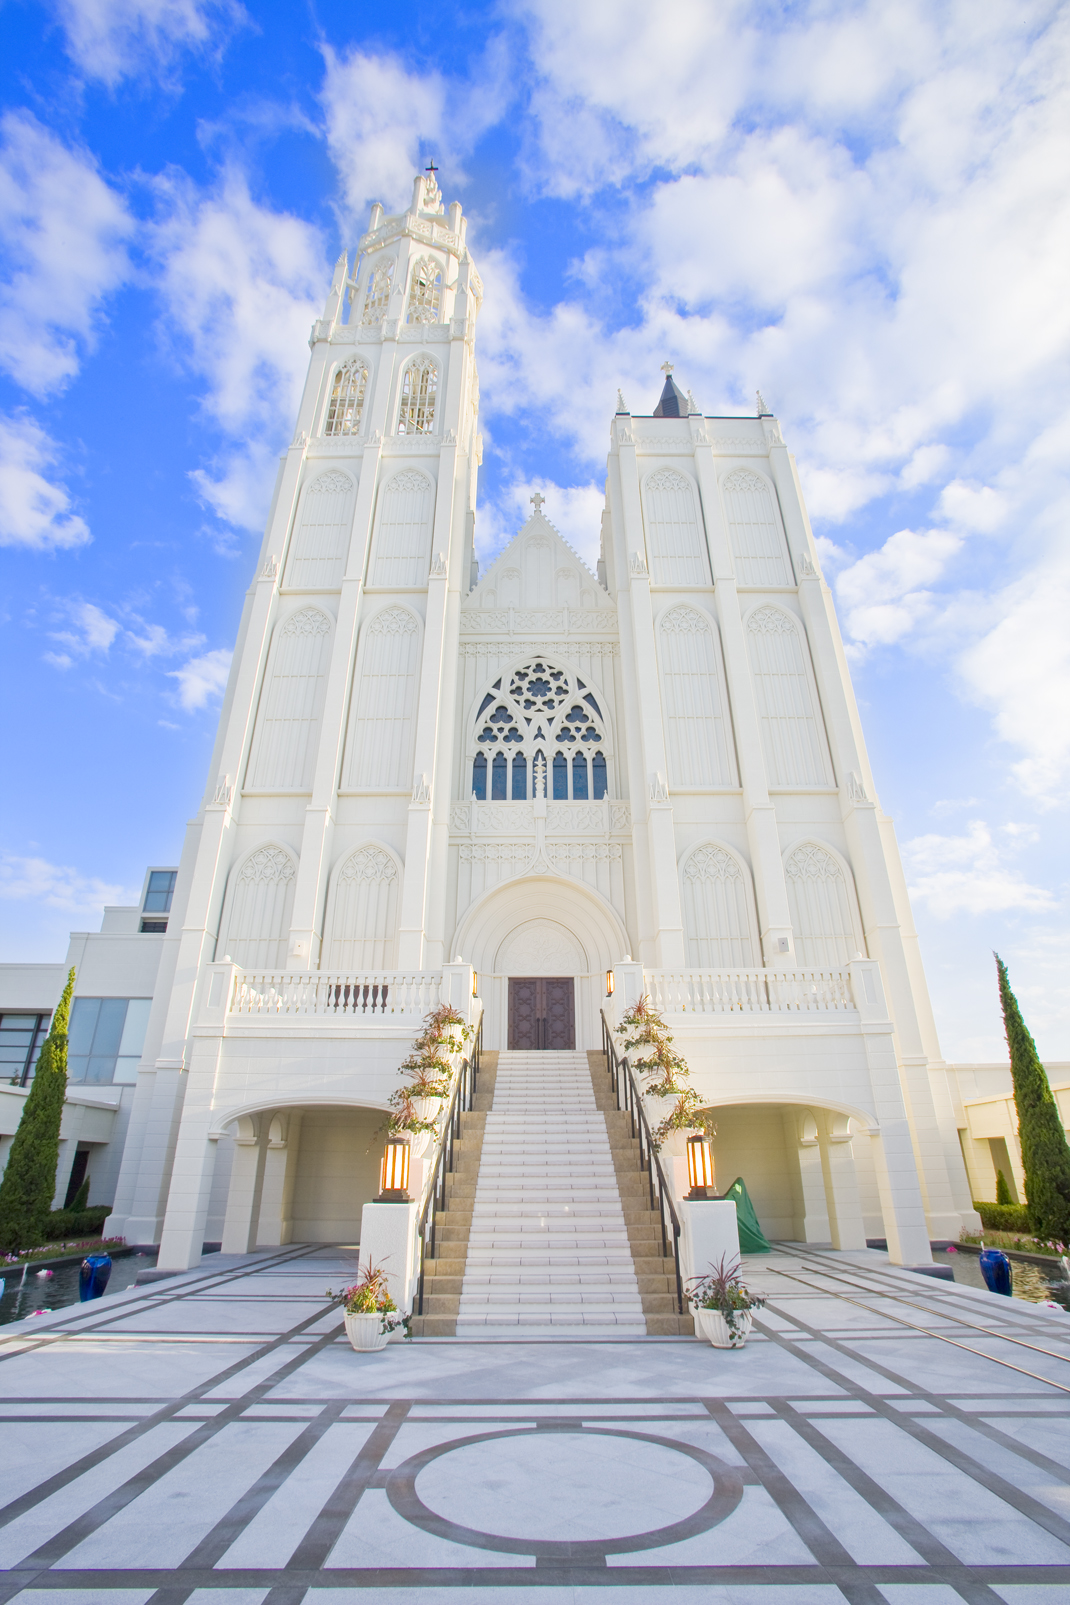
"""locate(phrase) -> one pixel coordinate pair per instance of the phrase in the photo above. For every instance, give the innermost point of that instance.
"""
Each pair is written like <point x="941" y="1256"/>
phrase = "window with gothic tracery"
<point x="347" y="399"/>
<point x="419" y="385"/>
<point x="540" y="731"/>
<point x="377" y="296"/>
<point x="425" y="291"/>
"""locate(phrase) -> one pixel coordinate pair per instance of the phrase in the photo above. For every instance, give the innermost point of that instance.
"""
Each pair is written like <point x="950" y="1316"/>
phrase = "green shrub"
<point x="75" y="1222"/>
<point x="80" y="1200"/>
<point x="1003" y="1192"/>
<point x="1004" y="1217"/>
<point x="29" y="1181"/>
<point x="1045" y="1152"/>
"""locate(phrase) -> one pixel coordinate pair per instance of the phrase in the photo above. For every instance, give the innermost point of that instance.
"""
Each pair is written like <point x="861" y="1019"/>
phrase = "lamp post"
<point x="609" y="983"/>
<point x="700" y="1166"/>
<point x="394" y="1172"/>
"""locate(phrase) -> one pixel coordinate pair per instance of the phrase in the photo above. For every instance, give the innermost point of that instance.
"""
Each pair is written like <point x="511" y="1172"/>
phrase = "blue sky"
<point x="861" y="208"/>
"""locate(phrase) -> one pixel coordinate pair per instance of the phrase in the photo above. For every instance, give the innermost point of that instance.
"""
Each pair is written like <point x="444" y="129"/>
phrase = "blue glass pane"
<point x="560" y="776"/>
<point x="520" y="778"/>
<point x="600" y="786"/>
<point x="84" y="1013"/>
<point x="77" y="1064"/>
<point x="579" y="776"/>
<point x="110" y="1022"/>
<point x="160" y="891"/>
<point x="101" y="1069"/>
<point x="499" y="776"/>
<point x="479" y="777"/>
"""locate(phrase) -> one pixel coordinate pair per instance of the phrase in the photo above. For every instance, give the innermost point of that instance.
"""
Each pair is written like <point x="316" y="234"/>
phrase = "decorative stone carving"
<point x="393" y="621"/>
<point x="806" y="567"/>
<point x="659" y="791"/>
<point x="685" y="621"/>
<point x="421" y="791"/>
<point x="770" y="621"/>
<point x="438" y="567"/>
<point x="368" y="864"/>
<point x="712" y="863"/>
<point x="504" y="817"/>
<point x="560" y="853"/>
<point x="740" y="445"/>
<point x="309" y="621"/>
<point x="856" y="791"/>
<point x="620" y="816"/>
<point x="223" y="791"/>
<point x="332" y="481"/>
<point x="461" y="818"/>
<point x="744" y="479"/>
<point x="267" y="866"/>
<point x="638" y="566"/>
<point x="270" y="569"/>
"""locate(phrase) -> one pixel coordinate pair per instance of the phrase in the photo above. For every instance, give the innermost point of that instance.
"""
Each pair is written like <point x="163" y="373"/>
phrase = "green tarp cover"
<point x="751" y="1237"/>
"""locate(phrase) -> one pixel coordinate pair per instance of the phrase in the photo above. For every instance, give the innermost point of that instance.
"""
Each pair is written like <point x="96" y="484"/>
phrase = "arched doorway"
<point x="542" y="927"/>
<point x="301" y="1174"/>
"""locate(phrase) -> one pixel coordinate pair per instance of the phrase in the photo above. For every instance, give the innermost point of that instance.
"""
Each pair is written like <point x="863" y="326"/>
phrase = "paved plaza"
<point x="884" y="1439"/>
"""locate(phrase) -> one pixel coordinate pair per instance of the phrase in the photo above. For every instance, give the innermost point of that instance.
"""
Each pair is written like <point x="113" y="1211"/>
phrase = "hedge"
<point x="1004" y="1217"/>
<point x="75" y="1223"/>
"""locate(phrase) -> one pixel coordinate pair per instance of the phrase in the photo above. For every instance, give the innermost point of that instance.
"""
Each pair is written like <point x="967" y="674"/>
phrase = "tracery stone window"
<point x="425" y="291"/>
<point x="820" y="904"/>
<point x="347" y="398"/>
<point x="540" y="727"/>
<point x="419" y="384"/>
<point x="259" y="905"/>
<point x="716" y="906"/>
<point x="377" y="296"/>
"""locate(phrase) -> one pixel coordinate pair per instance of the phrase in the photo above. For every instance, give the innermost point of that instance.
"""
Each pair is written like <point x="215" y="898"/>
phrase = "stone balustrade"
<point x="756" y="991"/>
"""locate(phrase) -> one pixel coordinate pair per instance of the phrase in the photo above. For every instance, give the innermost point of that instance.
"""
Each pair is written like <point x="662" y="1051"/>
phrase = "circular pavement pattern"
<point x="568" y="1491"/>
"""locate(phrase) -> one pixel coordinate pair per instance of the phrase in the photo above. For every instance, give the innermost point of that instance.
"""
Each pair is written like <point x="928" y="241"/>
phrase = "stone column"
<point x="800" y="1129"/>
<point x="841" y="1186"/>
<point x="246" y="1185"/>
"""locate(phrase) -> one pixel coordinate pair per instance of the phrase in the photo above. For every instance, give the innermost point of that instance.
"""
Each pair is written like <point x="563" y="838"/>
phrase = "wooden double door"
<point x="542" y="1011"/>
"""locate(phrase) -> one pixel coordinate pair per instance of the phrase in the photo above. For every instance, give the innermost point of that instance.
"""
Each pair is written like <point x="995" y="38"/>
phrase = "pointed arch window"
<point x="425" y="291"/>
<point x="403" y="540"/>
<point x="321" y="540"/>
<point x="256" y="918"/>
<point x="379" y="743"/>
<point x="377" y="296"/>
<point x="291" y="703"/>
<point x="347" y="398"/>
<point x="362" y="916"/>
<point x="792" y="734"/>
<point x="699" y="738"/>
<point x="676" y="543"/>
<point x="419" y="385"/>
<point x="820" y="905"/>
<point x="717" y="910"/>
<point x="537" y="710"/>
<point x="753" y="530"/>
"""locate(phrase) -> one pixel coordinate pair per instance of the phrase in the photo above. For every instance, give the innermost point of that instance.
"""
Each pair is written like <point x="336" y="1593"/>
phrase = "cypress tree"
<point x="29" y="1182"/>
<point x="1003" y="1192"/>
<point x="1045" y="1153"/>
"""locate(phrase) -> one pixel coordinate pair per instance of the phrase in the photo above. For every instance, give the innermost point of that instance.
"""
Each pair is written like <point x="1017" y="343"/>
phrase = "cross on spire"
<point x="537" y="501"/>
<point x="667" y="368"/>
<point x="432" y="169"/>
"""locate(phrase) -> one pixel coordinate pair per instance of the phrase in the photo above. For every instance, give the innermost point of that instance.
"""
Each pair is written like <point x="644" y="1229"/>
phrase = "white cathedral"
<point x="537" y="794"/>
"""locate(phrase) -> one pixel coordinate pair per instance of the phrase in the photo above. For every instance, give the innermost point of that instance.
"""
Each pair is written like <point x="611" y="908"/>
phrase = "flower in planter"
<point x="428" y="1069"/>
<point x="369" y="1296"/>
<point x="723" y="1289"/>
<point x="664" y="1070"/>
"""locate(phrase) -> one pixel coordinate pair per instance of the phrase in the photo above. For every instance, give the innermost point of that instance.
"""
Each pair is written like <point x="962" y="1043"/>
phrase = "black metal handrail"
<point x="461" y="1101"/>
<point x="630" y="1100"/>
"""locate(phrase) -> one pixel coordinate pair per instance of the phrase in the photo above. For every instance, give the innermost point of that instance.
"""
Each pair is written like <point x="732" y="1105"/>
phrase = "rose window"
<point x="539" y="731"/>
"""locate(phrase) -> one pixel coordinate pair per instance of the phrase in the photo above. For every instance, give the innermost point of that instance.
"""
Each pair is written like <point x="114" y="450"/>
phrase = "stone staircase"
<point x="547" y="1230"/>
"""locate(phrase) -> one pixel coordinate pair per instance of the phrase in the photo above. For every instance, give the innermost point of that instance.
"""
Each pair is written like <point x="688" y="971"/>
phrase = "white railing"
<point x="375" y="997"/>
<point x="749" y="991"/>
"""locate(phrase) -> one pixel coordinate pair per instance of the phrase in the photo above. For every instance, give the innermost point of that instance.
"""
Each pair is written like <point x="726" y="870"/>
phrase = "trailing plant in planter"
<point x="664" y="1071"/>
<point x="428" y="1071"/>
<point x="723" y="1294"/>
<point x="370" y="1313"/>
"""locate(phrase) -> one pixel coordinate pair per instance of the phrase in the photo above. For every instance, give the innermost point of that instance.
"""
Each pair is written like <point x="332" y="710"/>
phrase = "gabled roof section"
<point x="538" y="529"/>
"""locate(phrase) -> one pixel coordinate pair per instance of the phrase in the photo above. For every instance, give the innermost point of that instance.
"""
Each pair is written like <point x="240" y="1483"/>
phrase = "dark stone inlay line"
<point x="321" y="1537"/>
<point x="214" y="1545"/>
<point x="727" y="1492"/>
<point x="959" y="1577"/>
<point x="914" y="1427"/>
<point x="137" y="1429"/>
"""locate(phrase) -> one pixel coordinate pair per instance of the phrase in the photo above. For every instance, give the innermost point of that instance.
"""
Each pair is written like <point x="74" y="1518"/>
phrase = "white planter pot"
<point x="365" y="1332"/>
<point x="426" y="1109"/>
<point x="675" y="1144"/>
<point x="711" y="1325"/>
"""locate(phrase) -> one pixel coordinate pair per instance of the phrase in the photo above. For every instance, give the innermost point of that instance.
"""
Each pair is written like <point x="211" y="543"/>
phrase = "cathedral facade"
<point x="539" y="793"/>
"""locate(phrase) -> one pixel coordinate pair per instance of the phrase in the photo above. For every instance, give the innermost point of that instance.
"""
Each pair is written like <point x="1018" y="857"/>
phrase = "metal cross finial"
<point x="537" y="501"/>
<point x="667" y="368"/>
<point x="431" y="168"/>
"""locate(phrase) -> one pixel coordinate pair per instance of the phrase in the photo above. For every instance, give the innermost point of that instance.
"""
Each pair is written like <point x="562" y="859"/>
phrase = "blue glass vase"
<point x="996" y="1270"/>
<point x="93" y="1276"/>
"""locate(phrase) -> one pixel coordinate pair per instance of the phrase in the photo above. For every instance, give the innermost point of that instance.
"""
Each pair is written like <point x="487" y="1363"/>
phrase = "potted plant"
<point x="418" y="1106"/>
<point x="370" y="1313"/>
<point x="723" y="1305"/>
<point x="665" y="1073"/>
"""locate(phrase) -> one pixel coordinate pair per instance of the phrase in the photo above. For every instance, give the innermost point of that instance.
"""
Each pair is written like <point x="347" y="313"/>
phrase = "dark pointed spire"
<point x="673" y="403"/>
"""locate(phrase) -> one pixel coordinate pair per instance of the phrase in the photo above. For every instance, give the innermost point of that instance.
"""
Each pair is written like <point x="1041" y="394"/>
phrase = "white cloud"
<point x="884" y="595"/>
<point x="35" y="511"/>
<point x="115" y="39"/>
<point x="241" y="285"/>
<point x="202" y="678"/>
<point x="58" y="886"/>
<point x="91" y="630"/>
<point x="954" y="874"/>
<point x="64" y="232"/>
